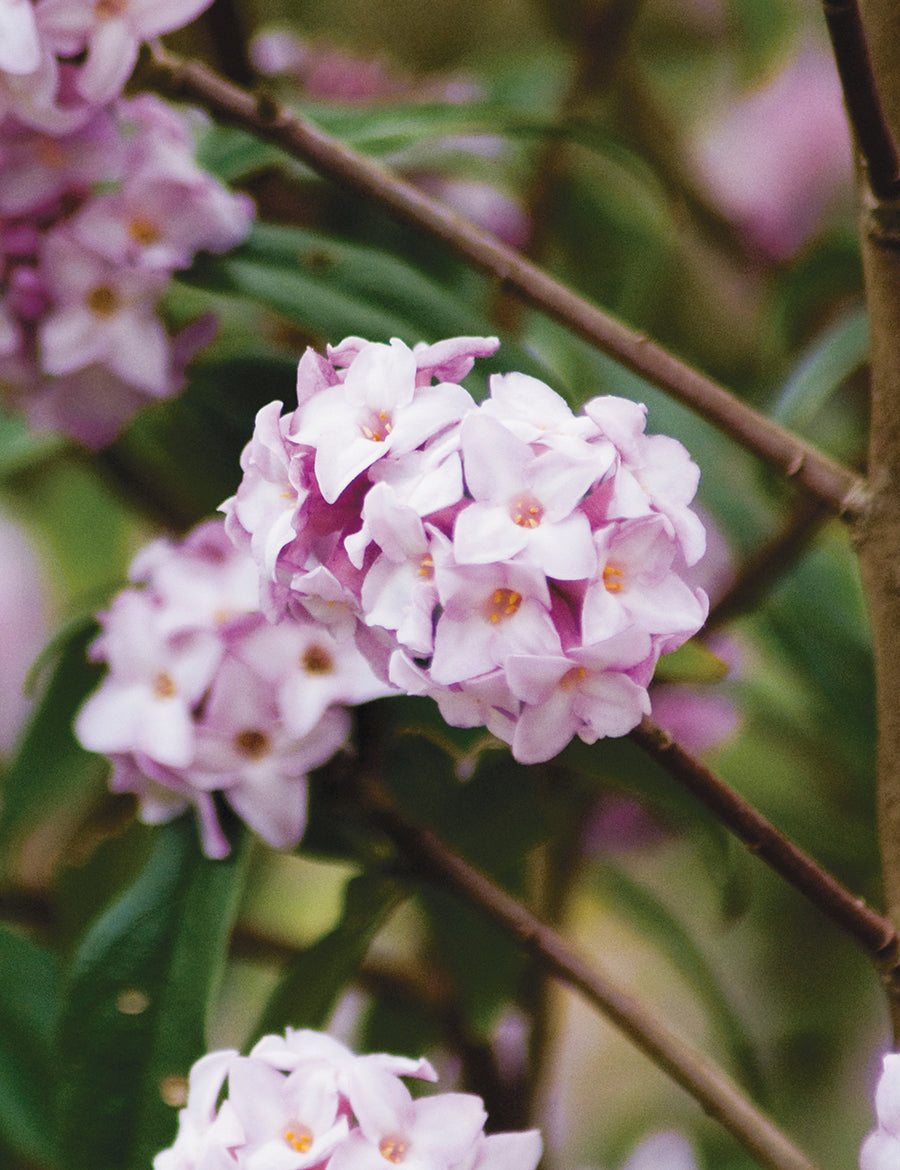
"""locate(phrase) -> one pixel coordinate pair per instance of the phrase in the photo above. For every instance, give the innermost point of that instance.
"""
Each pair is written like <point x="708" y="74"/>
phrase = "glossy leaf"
<point x="52" y="770"/>
<point x="28" y="1008"/>
<point x="829" y="362"/>
<point x="135" y="1001"/>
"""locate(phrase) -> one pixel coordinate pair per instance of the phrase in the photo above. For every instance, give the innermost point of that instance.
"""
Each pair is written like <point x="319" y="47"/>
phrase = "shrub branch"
<point x="837" y="486"/>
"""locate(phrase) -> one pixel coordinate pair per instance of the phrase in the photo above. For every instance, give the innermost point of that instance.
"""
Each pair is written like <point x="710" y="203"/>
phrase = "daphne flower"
<point x="20" y="49"/>
<point x="112" y="32"/>
<point x="881" y="1149"/>
<point x="525" y="504"/>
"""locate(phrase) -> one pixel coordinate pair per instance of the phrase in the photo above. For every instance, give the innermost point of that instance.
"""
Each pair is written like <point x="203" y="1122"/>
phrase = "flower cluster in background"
<point x="881" y="1149"/>
<point x="100" y="202"/>
<point x="204" y="696"/>
<point x="518" y="563"/>
<point x="329" y="74"/>
<point x="305" y="1100"/>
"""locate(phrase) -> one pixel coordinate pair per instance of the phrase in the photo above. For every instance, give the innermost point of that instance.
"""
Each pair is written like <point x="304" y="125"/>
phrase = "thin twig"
<point x="864" y="109"/>
<point x="837" y="486"/>
<point x="871" y="930"/>
<point x="708" y="1084"/>
<point x="763" y="569"/>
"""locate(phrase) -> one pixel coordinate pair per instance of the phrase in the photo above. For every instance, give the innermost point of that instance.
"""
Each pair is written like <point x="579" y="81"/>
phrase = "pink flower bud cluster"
<point x="204" y="696"/>
<point x="881" y="1149"/>
<point x="100" y="202"/>
<point x="306" y="1100"/>
<point x="519" y="563"/>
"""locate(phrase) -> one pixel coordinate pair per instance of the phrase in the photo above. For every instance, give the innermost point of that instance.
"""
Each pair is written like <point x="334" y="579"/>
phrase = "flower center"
<point x="317" y="660"/>
<point x="107" y="9"/>
<point x="612" y="579"/>
<point x="526" y="513"/>
<point x="251" y="743"/>
<point x="573" y="677"/>
<point x="393" y="1149"/>
<point x="102" y="301"/>
<point x="163" y="686"/>
<point x="426" y="567"/>
<point x="299" y="1138"/>
<point x="503" y="603"/>
<point x="143" y="231"/>
<point x="378" y="427"/>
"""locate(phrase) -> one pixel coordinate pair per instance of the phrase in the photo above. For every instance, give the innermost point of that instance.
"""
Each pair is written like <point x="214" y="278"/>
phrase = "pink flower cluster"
<point x="305" y="1100"/>
<point x="519" y="563"/>
<point x="204" y="696"/>
<point x="100" y="202"/>
<point x="881" y="1149"/>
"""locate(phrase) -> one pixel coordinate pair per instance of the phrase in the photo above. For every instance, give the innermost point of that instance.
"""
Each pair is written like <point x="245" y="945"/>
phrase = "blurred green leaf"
<point x="28" y="1008"/>
<point x="656" y="922"/>
<point x="20" y="446"/>
<point x="693" y="662"/>
<point x="760" y="31"/>
<point x="827" y="364"/>
<point x="51" y="769"/>
<point x="135" y="1001"/>
<point x="310" y="988"/>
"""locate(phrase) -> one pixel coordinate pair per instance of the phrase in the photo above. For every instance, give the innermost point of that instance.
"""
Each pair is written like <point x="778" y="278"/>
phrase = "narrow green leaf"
<point x="51" y="768"/>
<point x="28" y="1007"/>
<point x="135" y="1002"/>
<point x="655" y="922"/>
<point x="837" y="354"/>
<point x="333" y="289"/>
<point x="314" y="982"/>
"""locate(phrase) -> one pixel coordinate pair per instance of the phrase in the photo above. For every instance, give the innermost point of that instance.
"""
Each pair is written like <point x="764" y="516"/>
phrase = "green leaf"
<point x="761" y="29"/>
<point x="28" y="1007"/>
<point x="135" y="1002"/>
<point x="332" y="289"/>
<point x="21" y="446"/>
<point x="829" y="362"/>
<point x="693" y="662"/>
<point x="313" y="983"/>
<point x="656" y="923"/>
<point x="52" y="770"/>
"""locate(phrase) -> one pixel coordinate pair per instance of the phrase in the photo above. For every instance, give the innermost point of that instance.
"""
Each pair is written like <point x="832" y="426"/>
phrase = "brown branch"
<point x="861" y="98"/>
<point x="872" y="931"/>
<point x="837" y="486"/>
<point x="709" y="1085"/>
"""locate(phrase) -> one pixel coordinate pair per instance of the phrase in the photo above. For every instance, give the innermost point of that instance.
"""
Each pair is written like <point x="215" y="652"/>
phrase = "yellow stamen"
<point x="299" y="1139"/>
<point x="503" y="603"/>
<point x="392" y="1149"/>
<point x="143" y="231"/>
<point x="612" y="585"/>
<point x="163" y="686"/>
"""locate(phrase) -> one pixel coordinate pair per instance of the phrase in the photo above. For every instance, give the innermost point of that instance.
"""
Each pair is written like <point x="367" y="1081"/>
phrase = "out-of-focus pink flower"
<point x="112" y="32"/>
<point x="881" y="1149"/>
<point x="20" y="49"/>
<point x="304" y="1100"/>
<point x="23" y="626"/>
<point x="203" y="696"/>
<point x="93" y="223"/>
<point x="779" y="158"/>
<point x="663" y="1151"/>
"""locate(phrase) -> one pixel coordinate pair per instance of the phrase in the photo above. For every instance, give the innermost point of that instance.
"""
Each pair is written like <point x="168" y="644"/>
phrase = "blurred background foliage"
<point x="684" y="164"/>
